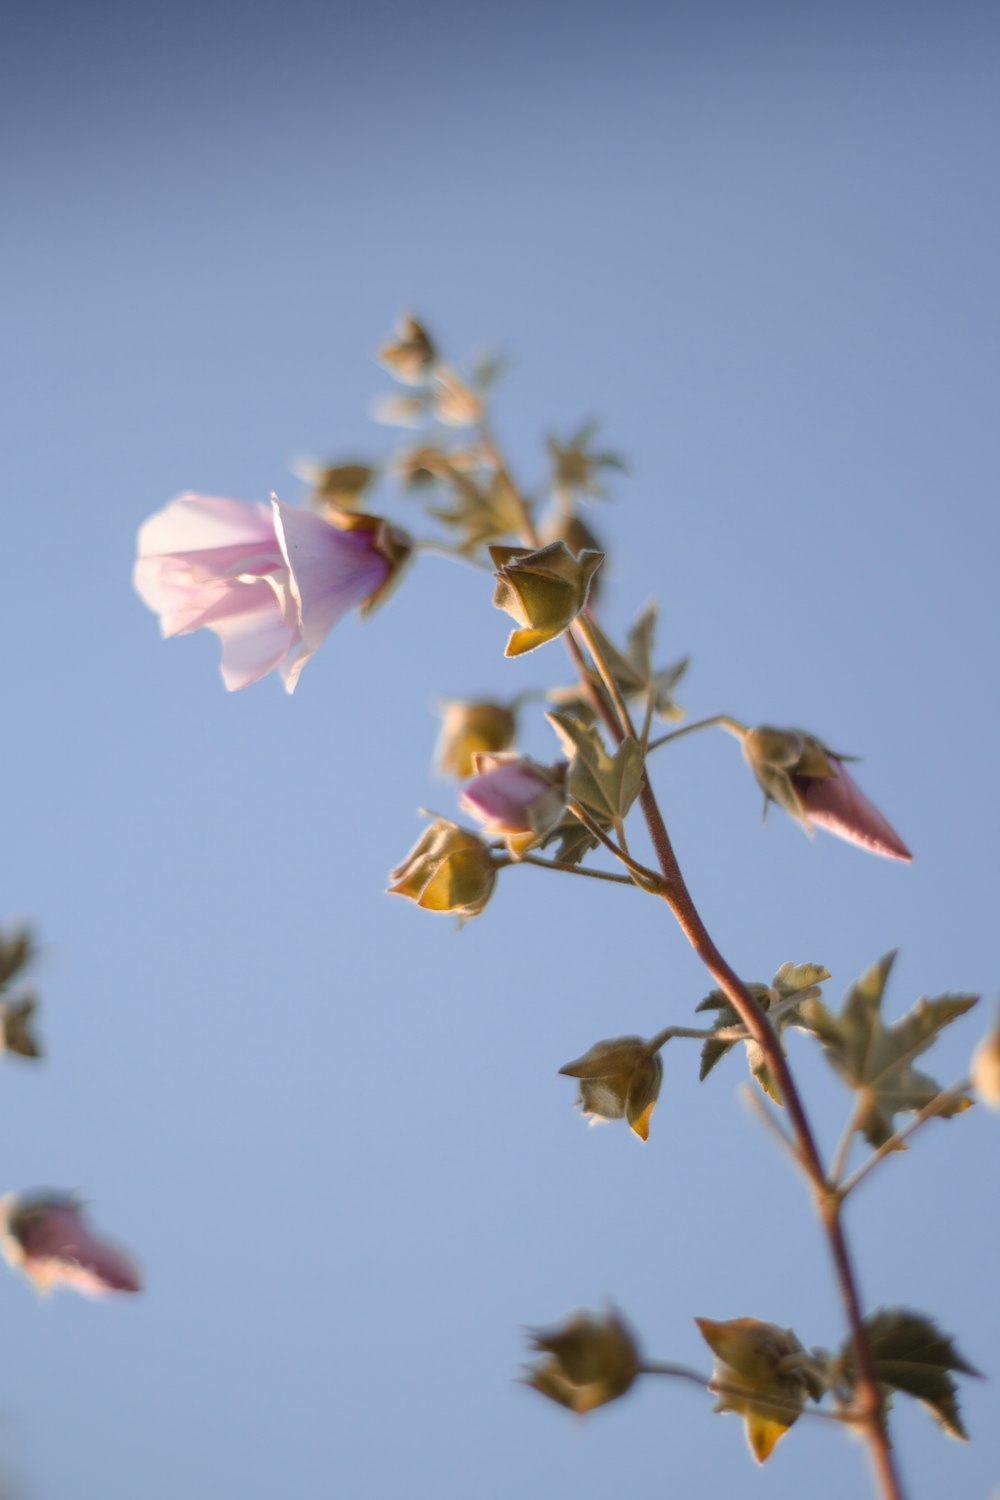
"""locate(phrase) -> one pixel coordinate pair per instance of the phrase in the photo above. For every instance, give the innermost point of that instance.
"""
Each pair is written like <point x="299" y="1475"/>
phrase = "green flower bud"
<point x="760" y="1360"/>
<point x="448" y="869"/>
<point x="543" y="591"/>
<point x="592" y="1360"/>
<point x="467" y="730"/>
<point x="619" y="1079"/>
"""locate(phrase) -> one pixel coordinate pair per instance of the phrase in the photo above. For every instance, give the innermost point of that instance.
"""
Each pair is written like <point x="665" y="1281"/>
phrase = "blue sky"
<point x="759" y="242"/>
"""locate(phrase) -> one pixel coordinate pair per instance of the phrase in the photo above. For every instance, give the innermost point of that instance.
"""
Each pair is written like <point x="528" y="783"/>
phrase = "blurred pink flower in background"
<point x="44" y="1234"/>
<point x="271" y="581"/>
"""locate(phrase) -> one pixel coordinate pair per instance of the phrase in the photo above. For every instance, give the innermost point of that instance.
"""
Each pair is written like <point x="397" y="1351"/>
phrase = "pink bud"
<point x="512" y="795"/>
<point x="44" y="1234"/>
<point x="838" y="804"/>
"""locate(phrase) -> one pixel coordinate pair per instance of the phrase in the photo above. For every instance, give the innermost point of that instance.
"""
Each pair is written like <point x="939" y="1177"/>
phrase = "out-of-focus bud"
<point x="543" y="591"/>
<point x="339" y="486"/>
<point x="986" y="1068"/>
<point x="16" y="1030"/>
<point x="45" y="1236"/>
<point x="515" y="798"/>
<point x="453" y="402"/>
<point x="468" y="729"/>
<point x="619" y="1079"/>
<point x="448" y="869"/>
<point x="811" y="783"/>
<point x="591" y="1360"/>
<point x="411" y="356"/>
<point x="763" y="1361"/>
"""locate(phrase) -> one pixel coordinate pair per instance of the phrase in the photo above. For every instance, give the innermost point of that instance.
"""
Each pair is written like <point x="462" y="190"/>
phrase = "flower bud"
<point x="515" y="798"/>
<point x="812" y="784"/>
<point x="986" y="1068"/>
<point x="592" y="1360"/>
<point x="448" y="869"/>
<point x="543" y="591"/>
<point x="411" y="356"/>
<point x="340" y="486"/>
<point x="16" y="1031"/>
<point x="763" y="1361"/>
<point x="619" y="1079"/>
<point x="44" y="1234"/>
<point x="469" y="728"/>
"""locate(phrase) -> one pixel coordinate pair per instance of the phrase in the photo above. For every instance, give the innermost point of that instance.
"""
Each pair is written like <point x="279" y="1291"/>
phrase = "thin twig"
<point x="562" y="864"/>
<point x="648" y="879"/>
<point x="720" y="721"/>
<point x="752" y="1098"/>
<point x="930" y="1111"/>
<point x="843" y="1150"/>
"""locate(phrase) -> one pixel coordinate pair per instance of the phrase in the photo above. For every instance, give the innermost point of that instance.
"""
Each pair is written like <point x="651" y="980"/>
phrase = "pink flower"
<point x="44" y="1235"/>
<point x="838" y="804"/>
<point x="271" y="581"/>
<point x="797" y="771"/>
<point x="515" y="798"/>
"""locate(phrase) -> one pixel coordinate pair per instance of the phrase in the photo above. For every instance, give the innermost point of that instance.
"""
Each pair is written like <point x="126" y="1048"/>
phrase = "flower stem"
<point x="562" y="864"/>
<point x="870" y="1406"/>
<point x="717" y="721"/>
<point x="723" y="1388"/>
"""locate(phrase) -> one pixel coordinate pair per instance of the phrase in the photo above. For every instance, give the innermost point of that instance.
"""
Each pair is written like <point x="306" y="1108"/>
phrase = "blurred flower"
<point x="469" y="728"/>
<point x="270" y="581"/>
<point x="448" y="869"/>
<point x="756" y="1361"/>
<point x="44" y="1235"/>
<point x="812" y="784"/>
<point x="515" y="798"/>
<point x="543" y="591"/>
<point x="592" y="1360"/>
<point x="336" y="487"/>
<point x="619" y="1079"/>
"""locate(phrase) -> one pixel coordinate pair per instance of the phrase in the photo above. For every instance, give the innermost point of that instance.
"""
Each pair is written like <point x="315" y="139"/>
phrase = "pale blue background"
<point x="760" y="241"/>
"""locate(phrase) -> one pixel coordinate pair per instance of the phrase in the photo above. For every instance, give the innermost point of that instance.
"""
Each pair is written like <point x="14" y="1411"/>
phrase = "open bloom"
<point x="812" y="784"/>
<point x="44" y="1235"/>
<point x="271" y="581"/>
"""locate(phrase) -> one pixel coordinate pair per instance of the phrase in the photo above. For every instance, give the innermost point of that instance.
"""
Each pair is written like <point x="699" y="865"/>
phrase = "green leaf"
<point x="912" y="1355"/>
<point x="791" y="979"/>
<point x="606" y="785"/>
<point x="876" y="1060"/>
<point x="572" y="839"/>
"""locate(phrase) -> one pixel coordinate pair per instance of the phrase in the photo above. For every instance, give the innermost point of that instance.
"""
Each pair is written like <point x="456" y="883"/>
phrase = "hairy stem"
<point x="677" y="896"/>
<point x="562" y="864"/>
<point x="717" y="721"/>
